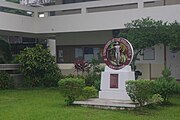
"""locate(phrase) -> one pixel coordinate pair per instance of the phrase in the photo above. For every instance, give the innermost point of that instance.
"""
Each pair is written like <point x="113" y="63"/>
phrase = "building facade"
<point x="80" y="28"/>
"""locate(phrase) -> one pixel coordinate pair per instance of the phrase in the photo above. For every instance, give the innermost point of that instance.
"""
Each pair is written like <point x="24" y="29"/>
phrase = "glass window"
<point x="67" y="54"/>
<point x="75" y="1"/>
<point x="96" y="52"/>
<point x="149" y="53"/>
<point x="88" y="50"/>
<point x="78" y="53"/>
<point x="68" y="1"/>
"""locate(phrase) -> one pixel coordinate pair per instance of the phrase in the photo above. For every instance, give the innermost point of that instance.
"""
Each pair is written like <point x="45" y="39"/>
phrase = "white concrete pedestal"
<point x="118" y="93"/>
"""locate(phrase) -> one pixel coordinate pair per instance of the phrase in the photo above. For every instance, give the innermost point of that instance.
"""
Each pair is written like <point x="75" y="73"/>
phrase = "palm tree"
<point x="5" y="52"/>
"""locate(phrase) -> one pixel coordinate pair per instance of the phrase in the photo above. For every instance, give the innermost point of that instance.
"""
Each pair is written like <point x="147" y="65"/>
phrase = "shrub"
<point x="31" y="82"/>
<point x="166" y="88"/>
<point x="178" y="89"/>
<point x="140" y="90"/>
<point x="93" y="79"/>
<point x="156" y="99"/>
<point x="71" y="88"/>
<point x="95" y="66"/>
<point x="166" y="85"/>
<point x="68" y="76"/>
<point x="166" y="73"/>
<point x="81" y="65"/>
<point x="5" y="80"/>
<point x="51" y="79"/>
<point x="5" y="51"/>
<point x="89" y="92"/>
<point x="38" y="65"/>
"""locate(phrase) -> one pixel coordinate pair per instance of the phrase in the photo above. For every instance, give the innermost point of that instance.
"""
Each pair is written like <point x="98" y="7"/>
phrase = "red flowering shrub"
<point x="81" y="65"/>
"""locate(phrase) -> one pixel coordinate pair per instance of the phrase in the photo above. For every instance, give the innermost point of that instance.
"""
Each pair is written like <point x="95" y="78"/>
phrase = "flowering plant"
<point x="81" y="65"/>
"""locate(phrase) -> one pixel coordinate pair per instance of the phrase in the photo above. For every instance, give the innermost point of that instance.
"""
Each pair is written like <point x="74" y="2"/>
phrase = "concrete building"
<point x="80" y="28"/>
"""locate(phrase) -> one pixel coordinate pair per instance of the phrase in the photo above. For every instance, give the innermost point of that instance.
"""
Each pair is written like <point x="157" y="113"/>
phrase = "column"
<point x="51" y="44"/>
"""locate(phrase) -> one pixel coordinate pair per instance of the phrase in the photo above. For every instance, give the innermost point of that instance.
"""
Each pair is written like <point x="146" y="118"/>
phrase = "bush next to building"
<point x="140" y="91"/>
<point x="5" y="80"/>
<point x="166" y="86"/>
<point x="92" y="69"/>
<point x="93" y="79"/>
<point x="94" y="76"/>
<point x="89" y="92"/>
<point x="178" y="91"/>
<point x="71" y="88"/>
<point x="5" y="51"/>
<point x="39" y="67"/>
<point x="144" y="91"/>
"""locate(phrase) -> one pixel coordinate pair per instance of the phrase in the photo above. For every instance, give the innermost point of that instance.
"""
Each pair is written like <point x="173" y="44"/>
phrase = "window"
<point x="75" y="1"/>
<point x="149" y="53"/>
<point x="79" y="53"/>
<point x="87" y="53"/>
<point x="71" y="53"/>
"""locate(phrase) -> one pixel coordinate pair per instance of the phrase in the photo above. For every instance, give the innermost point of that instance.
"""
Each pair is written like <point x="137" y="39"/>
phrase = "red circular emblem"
<point x="117" y="53"/>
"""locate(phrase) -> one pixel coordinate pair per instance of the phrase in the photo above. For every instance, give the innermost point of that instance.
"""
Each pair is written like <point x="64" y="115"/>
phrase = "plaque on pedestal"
<point x="113" y="80"/>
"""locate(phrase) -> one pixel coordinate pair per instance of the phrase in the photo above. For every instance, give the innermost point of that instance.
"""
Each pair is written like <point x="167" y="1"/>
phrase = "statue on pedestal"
<point x="117" y="55"/>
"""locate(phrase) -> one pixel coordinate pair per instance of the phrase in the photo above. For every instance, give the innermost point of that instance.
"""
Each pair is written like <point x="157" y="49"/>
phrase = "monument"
<point x="117" y="54"/>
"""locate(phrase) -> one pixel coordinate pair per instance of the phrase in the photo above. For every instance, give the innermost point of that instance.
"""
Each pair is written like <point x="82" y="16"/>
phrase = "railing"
<point x="9" y="67"/>
<point x="93" y="6"/>
<point x="78" y="8"/>
<point x="14" y="8"/>
<point x="13" y="71"/>
<point x="36" y="3"/>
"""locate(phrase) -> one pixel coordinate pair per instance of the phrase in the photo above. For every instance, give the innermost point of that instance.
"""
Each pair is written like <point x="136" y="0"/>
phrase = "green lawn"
<point x="48" y="104"/>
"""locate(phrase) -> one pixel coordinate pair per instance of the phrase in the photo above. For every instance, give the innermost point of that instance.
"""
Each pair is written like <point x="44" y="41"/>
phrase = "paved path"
<point x="107" y="103"/>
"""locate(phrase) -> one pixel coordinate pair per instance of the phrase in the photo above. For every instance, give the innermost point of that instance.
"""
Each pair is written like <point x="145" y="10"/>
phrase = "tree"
<point x="147" y="32"/>
<point x="39" y="66"/>
<point x="5" y="51"/>
<point x="175" y="34"/>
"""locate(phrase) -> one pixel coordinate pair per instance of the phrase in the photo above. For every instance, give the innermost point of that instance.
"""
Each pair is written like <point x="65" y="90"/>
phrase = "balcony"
<point x="88" y="16"/>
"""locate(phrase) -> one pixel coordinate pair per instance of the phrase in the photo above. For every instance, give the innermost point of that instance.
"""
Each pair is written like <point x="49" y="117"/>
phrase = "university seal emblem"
<point x="117" y="53"/>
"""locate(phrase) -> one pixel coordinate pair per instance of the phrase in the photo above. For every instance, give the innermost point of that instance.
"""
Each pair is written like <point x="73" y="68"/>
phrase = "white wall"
<point x="12" y="22"/>
<point x="51" y="43"/>
<point x="159" y="56"/>
<point x="173" y="62"/>
<point x="152" y="69"/>
<point x="105" y="20"/>
<point x="84" y="21"/>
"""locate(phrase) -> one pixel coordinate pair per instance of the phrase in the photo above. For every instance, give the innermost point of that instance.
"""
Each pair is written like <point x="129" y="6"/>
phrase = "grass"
<point x="48" y="104"/>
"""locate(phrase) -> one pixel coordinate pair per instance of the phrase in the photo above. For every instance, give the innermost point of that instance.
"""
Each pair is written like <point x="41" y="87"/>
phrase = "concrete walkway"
<point x="107" y="103"/>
